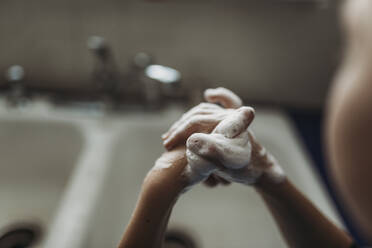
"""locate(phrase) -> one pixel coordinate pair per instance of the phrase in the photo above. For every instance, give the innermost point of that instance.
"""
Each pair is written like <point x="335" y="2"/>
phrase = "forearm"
<point x="300" y="222"/>
<point x="147" y="225"/>
<point x="160" y="191"/>
<point x="149" y="220"/>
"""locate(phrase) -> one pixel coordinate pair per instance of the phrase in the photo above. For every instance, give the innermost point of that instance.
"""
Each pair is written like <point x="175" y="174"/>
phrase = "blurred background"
<point x="273" y="51"/>
<point x="77" y="75"/>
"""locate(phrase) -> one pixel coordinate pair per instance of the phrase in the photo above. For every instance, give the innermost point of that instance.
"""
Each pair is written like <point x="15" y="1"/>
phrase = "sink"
<point x="37" y="157"/>
<point x="221" y="217"/>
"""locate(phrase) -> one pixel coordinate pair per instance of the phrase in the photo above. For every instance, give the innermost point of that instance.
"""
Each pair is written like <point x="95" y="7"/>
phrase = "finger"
<point x="201" y="109"/>
<point x="195" y="124"/>
<point x="187" y="118"/>
<point x="225" y="97"/>
<point x="220" y="150"/>
<point x="235" y="123"/>
<point x="198" y="168"/>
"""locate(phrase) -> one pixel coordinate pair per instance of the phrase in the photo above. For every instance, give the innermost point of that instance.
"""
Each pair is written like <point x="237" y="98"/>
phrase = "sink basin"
<point x="221" y="217"/>
<point x="37" y="158"/>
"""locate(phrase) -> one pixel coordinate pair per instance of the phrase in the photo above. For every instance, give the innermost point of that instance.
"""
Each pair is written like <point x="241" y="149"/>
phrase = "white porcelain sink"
<point x="36" y="160"/>
<point x="232" y="216"/>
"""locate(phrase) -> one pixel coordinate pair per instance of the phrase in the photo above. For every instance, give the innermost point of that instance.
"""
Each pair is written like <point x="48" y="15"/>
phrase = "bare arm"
<point x="160" y="191"/>
<point x="349" y="118"/>
<point x="165" y="182"/>
<point x="300" y="222"/>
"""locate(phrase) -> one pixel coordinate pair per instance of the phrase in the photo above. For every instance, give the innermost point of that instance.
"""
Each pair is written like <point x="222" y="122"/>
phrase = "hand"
<point x="160" y="191"/>
<point x="231" y="152"/>
<point x="202" y="119"/>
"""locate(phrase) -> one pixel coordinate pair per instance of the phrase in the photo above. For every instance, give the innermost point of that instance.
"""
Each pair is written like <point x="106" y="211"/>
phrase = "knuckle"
<point x="195" y="120"/>
<point x="198" y="112"/>
<point x="204" y="104"/>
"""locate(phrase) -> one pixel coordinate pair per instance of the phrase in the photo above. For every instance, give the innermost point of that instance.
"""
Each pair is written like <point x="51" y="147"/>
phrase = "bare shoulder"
<point x="356" y="16"/>
<point x="349" y="116"/>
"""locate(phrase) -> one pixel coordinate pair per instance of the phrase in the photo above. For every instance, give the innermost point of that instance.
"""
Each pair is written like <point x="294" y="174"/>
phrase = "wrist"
<point x="272" y="172"/>
<point x="167" y="176"/>
<point x="267" y="181"/>
<point x="272" y="182"/>
<point x="163" y="182"/>
<point x="167" y="179"/>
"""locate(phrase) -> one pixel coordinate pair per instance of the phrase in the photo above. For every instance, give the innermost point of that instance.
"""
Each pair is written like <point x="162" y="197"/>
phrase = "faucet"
<point x="145" y="81"/>
<point x="156" y="81"/>
<point x="17" y="93"/>
<point x="105" y="73"/>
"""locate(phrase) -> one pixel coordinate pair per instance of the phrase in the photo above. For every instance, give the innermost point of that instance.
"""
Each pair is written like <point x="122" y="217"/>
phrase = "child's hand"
<point x="203" y="118"/>
<point x="231" y="152"/>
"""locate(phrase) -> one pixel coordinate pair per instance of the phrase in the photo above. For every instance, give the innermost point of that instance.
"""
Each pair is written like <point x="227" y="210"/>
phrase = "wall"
<point x="270" y="51"/>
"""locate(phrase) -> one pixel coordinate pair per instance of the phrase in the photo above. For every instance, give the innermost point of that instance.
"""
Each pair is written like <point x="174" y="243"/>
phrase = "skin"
<point x="349" y="117"/>
<point x="203" y="118"/>
<point x="348" y="139"/>
<point x="231" y="151"/>
<point x="160" y="191"/>
<point x="301" y="224"/>
<point x="162" y="187"/>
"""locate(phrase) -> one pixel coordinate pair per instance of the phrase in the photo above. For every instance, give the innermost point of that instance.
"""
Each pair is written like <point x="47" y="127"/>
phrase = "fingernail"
<point x="164" y="135"/>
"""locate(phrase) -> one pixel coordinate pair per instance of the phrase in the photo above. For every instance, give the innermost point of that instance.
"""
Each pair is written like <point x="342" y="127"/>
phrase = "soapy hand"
<point x="203" y="118"/>
<point x="231" y="152"/>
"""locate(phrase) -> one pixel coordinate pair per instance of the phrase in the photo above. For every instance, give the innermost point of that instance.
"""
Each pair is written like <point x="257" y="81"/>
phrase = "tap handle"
<point x="17" y="92"/>
<point x="98" y="45"/>
<point x="15" y="74"/>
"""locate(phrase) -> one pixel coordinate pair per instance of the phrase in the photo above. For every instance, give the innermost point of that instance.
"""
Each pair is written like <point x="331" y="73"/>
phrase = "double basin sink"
<point x="78" y="176"/>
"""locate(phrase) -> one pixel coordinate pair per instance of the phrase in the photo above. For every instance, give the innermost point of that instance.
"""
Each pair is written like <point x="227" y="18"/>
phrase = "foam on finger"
<point x="236" y="123"/>
<point x="207" y="109"/>
<point x="234" y="151"/>
<point x="231" y="153"/>
<point x="198" y="169"/>
<point x="223" y="96"/>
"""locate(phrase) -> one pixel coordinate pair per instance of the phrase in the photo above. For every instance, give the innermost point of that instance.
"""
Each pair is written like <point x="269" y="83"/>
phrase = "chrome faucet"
<point x="145" y="80"/>
<point x="156" y="81"/>
<point x="105" y="72"/>
<point x="17" y="93"/>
